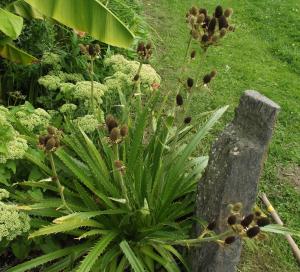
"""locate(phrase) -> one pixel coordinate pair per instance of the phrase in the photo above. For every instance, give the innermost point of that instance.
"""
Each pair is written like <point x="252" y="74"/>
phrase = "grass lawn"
<point x="262" y="54"/>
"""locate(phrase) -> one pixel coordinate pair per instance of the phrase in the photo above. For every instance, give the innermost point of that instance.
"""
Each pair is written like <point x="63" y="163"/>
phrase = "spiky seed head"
<point x="228" y="12"/>
<point x="195" y="34"/>
<point x="179" y="100"/>
<point x="187" y="120"/>
<point x="140" y="47"/>
<point x="194" y="11"/>
<point x="247" y="220"/>
<point x="51" y="130"/>
<point x="212" y="225"/>
<point x="148" y="46"/>
<point x="252" y="232"/>
<point x="212" y="25"/>
<point x="223" y="23"/>
<point x="218" y="11"/>
<point x="42" y="139"/>
<point x="51" y="143"/>
<point x="203" y="11"/>
<point x="190" y="82"/>
<point x="257" y="213"/>
<point x="207" y="79"/>
<point x="237" y="207"/>
<point x="206" y="21"/>
<point x="124" y="130"/>
<point x="193" y="54"/>
<point x="232" y="219"/>
<point x="92" y="50"/>
<point x="205" y="38"/>
<point x="136" y="77"/>
<point x="223" y="32"/>
<point x="97" y="49"/>
<point x="263" y="221"/>
<point x="111" y="123"/>
<point x="200" y="18"/>
<point x="215" y="39"/>
<point x="231" y="28"/>
<point x="213" y="73"/>
<point x="229" y="240"/>
<point x="83" y="49"/>
<point x="114" y="134"/>
<point x="118" y="164"/>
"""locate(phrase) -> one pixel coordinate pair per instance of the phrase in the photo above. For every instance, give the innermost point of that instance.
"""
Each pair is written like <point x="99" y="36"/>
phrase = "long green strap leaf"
<point x="132" y="259"/>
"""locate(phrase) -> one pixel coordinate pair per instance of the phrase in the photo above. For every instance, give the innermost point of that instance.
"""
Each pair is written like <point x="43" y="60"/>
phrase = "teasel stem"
<point x="92" y="85"/>
<point x="198" y="74"/>
<point x="137" y="85"/>
<point x="59" y="186"/>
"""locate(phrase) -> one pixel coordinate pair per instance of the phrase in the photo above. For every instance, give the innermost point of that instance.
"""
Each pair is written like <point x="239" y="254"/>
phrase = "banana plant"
<point x="89" y="16"/>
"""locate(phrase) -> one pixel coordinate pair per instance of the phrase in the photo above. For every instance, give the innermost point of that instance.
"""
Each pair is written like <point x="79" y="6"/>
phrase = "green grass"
<point x="262" y="54"/>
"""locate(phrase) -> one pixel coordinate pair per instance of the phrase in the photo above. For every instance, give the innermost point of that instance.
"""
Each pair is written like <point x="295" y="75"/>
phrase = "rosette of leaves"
<point x="112" y="186"/>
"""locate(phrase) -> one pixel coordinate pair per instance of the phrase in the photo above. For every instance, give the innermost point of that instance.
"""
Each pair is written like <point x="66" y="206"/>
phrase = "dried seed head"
<point x="148" y="46"/>
<point x="51" y="143"/>
<point x="83" y="49"/>
<point x="42" y="139"/>
<point x="205" y="38"/>
<point x="223" y="23"/>
<point x="212" y="225"/>
<point x="247" y="220"/>
<point x="111" y="123"/>
<point x="97" y="49"/>
<point x="136" y="77"/>
<point x="228" y="12"/>
<point x="114" y="134"/>
<point x="195" y="34"/>
<point x="92" y="50"/>
<point x="207" y="79"/>
<point x="179" y="100"/>
<point x="206" y="21"/>
<point x="257" y="213"/>
<point x="194" y="11"/>
<point x="252" y="232"/>
<point x="213" y="73"/>
<point x="223" y="32"/>
<point x="190" y="82"/>
<point x="231" y="28"/>
<point x="237" y="207"/>
<point x="203" y="11"/>
<point x="232" y="220"/>
<point x="193" y="54"/>
<point x="264" y="221"/>
<point x="200" y="18"/>
<point x="215" y="39"/>
<point x="51" y="130"/>
<point x="141" y="47"/>
<point x="212" y="25"/>
<point x="118" y="164"/>
<point x="229" y="240"/>
<point x="187" y="120"/>
<point x="124" y="130"/>
<point x="218" y="11"/>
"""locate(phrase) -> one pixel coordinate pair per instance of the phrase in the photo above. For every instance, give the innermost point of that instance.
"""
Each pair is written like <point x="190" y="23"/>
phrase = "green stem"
<point x="59" y="186"/>
<point x="200" y="66"/>
<point x="92" y="85"/>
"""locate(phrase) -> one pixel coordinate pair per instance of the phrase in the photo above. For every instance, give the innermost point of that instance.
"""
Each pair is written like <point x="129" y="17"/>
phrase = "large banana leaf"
<point x="14" y="54"/>
<point x="89" y="16"/>
<point x="10" y="24"/>
<point x="24" y="10"/>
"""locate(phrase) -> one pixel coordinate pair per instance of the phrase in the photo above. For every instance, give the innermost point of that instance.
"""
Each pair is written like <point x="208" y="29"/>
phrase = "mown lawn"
<point x="262" y="54"/>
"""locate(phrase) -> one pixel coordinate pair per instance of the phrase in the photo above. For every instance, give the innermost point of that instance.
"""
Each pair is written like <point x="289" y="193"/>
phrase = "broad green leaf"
<point x="14" y="54"/>
<point x="24" y="10"/>
<point x="10" y="24"/>
<point x="47" y="258"/>
<point x="132" y="259"/>
<point x="280" y="230"/>
<point x="90" y="16"/>
<point x="95" y="252"/>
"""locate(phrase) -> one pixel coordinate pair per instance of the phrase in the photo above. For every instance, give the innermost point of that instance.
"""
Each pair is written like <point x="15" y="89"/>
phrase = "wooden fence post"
<point x="232" y="175"/>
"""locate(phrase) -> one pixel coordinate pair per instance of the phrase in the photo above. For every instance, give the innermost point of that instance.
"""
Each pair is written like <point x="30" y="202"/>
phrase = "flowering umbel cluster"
<point x="206" y="29"/>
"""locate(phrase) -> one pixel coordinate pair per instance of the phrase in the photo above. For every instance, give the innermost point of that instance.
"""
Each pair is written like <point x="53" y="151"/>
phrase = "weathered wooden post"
<point x="232" y="175"/>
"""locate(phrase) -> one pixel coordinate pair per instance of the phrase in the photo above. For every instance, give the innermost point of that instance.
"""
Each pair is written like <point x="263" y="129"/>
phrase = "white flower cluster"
<point x="38" y="119"/>
<point x="12" y="222"/>
<point x="13" y="146"/>
<point x="87" y="123"/>
<point x="82" y="91"/>
<point x="68" y="108"/>
<point x="50" y="82"/>
<point x="127" y="69"/>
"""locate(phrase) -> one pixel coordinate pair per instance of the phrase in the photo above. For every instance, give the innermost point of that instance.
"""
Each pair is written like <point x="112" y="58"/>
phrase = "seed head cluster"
<point x="116" y="133"/>
<point x="91" y="50"/>
<point x="51" y="141"/>
<point x="144" y="51"/>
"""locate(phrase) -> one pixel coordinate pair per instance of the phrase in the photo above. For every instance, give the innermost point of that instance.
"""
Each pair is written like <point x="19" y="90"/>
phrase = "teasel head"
<point x="190" y="82"/>
<point x="247" y="220"/>
<point x="258" y="213"/>
<point x="114" y="134"/>
<point x="205" y="38"/>
<point x="212" y="225"/>
<point x="203" y="11"/>
<point x="97" y="49"/>
<point x="193" y="54"/>
<point x="213" y="73"/>
<point x="194" y="11"/>
<point x="148" y="45"/>
<point x="223" y="23"/>
<point x="200" y="18"/>
<point x="206" y="79"/>
<point x="237" y="207"/>
<point x="110" y="122"/>
<point x="218" y="11"/>
<point x="231" y="220"/>
<point x="92" y="50"/>
<point x="187" y="120"/>
<point x="136" y="77"/>
<point x="42" y="140"/>
<point x="83" y="49"/>
<point x="229" y="240"/>
<point x="51" y="130"/>
<point x="228" y="12"/>
<point x="223" y="32"/>
<point x="120" y="166"/>
<point x="179" y="100"/>
<point x="140" y="47"/>
<point x="215" y="39"/>
<point x="124" y="130"/>
<point x="231" y="28"/>
<point x="263" y="221"/>
<point x="206" y="21"/>
<point x="51" y="144"/>
<point x="195" y="34"/>
<point x="212" y="25"/>
<point x="252" y="232"/>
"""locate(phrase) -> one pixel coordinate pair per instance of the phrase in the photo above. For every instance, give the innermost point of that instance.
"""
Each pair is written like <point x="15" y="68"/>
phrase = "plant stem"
<point x="92" y="85"/>
<point x="59" y="186"/>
